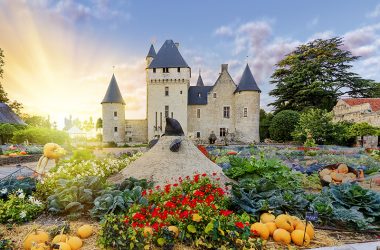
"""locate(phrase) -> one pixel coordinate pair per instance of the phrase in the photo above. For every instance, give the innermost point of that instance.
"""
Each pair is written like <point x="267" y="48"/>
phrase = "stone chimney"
<point x="177" y="44"/>
<point x="224" y="67"/>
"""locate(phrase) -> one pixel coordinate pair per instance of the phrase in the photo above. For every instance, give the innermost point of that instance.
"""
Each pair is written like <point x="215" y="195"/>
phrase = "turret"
<point x="151" y="55"/>
<point x="113" y="112"/>
<point x="247" y="108"/>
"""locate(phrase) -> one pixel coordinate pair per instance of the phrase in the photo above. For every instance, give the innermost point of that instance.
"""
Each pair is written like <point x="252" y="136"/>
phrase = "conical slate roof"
<point x="200" y="81"/>
<point x="168" y="57"/>
<point x="247" y="82"/>
<point x="113" y="94"/>
<point x="8" y="116"/>
<point x="152" y="52"/>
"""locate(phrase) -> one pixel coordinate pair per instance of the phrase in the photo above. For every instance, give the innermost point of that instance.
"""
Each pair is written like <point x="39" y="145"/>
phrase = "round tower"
<point x="113" y="112"/>
<point x="247" y="108"/>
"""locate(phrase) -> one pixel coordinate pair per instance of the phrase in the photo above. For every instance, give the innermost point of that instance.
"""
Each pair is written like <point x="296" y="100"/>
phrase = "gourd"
<point x="298" y="238"/>
<point x="174" y="230"/>
<point x="271" y="227"/>
<point x="283" y="221"/>
<point x="147" y="231"/>
<point x="267" y="217"/>
<point x="295" y="220"/>
<point x="74" y="242"/>
<point x="282" y="236"/>
<point x="85" y="231"/>
<point x="63" y="246"/>
<point x="342" y="169"/>
<point x="59" y="238"/>
<point x="309" y="229"/>
<point x="261" y="229"/>
<point x="38" y="236"/>
<point x="336" y="177"/>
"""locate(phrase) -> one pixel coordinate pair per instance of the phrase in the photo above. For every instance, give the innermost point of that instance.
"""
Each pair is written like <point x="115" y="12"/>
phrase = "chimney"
<point x="224" y="67"/>
<point x="177" y="45"/>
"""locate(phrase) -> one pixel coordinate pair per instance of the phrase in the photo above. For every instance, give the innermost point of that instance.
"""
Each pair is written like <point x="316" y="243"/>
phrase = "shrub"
<point x="82" y="154"/>
<point x="6" y="132"/>
<point x="40" y="136"/>
<point x="362" y="129"/>
<point x="283" y="124"/>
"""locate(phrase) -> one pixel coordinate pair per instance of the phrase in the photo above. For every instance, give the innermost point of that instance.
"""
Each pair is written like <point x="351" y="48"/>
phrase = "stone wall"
<point x="110" y="122"/>
<point x="358" y="113"/>
<point x="136" y="131"/>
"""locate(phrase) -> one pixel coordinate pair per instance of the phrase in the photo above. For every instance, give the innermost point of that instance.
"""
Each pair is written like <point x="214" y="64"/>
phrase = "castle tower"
<point x="113" y="112"/>
<point x="151" y="55"/>
<point x="168" y="80"/>
<point x="247" y="108"/>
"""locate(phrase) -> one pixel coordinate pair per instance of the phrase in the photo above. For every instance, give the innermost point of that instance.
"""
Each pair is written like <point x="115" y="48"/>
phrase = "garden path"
<point x="357" y="246"/>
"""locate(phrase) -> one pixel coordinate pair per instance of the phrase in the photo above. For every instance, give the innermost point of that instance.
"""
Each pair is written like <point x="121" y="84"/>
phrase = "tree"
<point x="318" y="123"/>
<point x="265" y="120"/>
<point x="36" y="121"/>
<point x="88" y="125"/>
<point x="283" y="124"/>
<point x="40" y="136"/>
<point x="6" y="132"/>
<point x="363" y="129"/>
<point x="317" y="74"/>
<point x="99" y="123"/>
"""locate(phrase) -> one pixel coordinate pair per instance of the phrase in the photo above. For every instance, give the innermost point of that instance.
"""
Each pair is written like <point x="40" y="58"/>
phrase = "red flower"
<point x="219" y="191"/>
<point x="157" y="187"/>
<point x="209" y="199"/>
<point x="199" y="193"/>
<point x="239" y="224"/>
<point x="196" y="177"/>
<point x="138" y="216"/>
<point x="213" y="206"/>
<point x="255" y="232"/>
<point x="204" y="174"/>
<point x="225" y="212"/>
<point x="164" y="215"/>
<point x="184" y="214"/>
<point x="232" y="153"/>
<point x="214" y="174"/>
<point x="167" y="188"/>
<point x="169" y="204"/>
<point x="175" y="185"/>
<point x="143" y="193"/>
<point x="155" y="226"/>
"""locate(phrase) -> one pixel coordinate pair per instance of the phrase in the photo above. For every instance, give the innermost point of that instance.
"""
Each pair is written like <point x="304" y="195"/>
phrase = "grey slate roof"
<point x="152" y="52"/>
<point x="113" y="94"/>
<point x="168" y="57"/>
<point x="198" y="95"/>
<point x="8" y="116"/>
<point x="247" y="82"/>
<point x="200" y="81"/>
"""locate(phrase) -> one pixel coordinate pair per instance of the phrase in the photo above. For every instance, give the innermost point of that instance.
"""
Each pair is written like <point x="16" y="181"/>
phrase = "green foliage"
<point x="11" y="185"/>
<point x="40" y="136"/>
<point x="265" y="120"/>
<point x="318" y="123"/>
<point x="19" y="208"/>
<point x="316" y="74"/>
<point x="6" y="132"/>
<point x="283" y="124"/>
<point x="6" y="244"/>
<point x="58" y="229"/>
<point x="99" y="123"/>
<point x="36" y="121"/>
<point x="82" y="154"/>
<point x="362" y="129"/>
<point x="74" y="197"/>
<point x="310" y="142"/>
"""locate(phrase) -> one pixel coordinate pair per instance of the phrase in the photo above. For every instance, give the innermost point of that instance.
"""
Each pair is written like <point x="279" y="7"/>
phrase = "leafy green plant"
<point x="7" y="244"/>
<point x="11" y="185"/>
<point x="283" y="124"/>
<point x="74" y="197"/>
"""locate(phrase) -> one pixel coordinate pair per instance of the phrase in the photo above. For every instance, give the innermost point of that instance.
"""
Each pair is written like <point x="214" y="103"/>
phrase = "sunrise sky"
<point x="60" y="54"/>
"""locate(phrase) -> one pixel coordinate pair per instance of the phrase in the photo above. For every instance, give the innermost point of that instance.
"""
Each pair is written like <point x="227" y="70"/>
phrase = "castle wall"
<point x="110" y="122"/>
<point x="176" y="100"/>
<point x="136" y="131"/>
<point x="358" y="113"/>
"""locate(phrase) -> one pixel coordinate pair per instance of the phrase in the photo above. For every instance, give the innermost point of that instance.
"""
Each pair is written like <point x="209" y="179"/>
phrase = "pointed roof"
<point x="8" y="116"/>
<point x="200" y="81"/>
<point x="113" y="94"/>
<point x="168" y="57"/>
<point x="247" y="82"/>
<point x="152" y="52"/>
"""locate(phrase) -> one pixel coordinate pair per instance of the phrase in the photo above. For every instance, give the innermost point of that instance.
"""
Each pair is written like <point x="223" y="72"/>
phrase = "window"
<point x="161" y="120"/>
<point x="214" y="95"/>
<point x="115" y="129"/>
<point x="166" y="91"/>
<point x="172" y="114"/>
<point x="198" y="134"/>
<point x="154" y="70"/>
<point x="115" y="113"/>
<point x="166" y="111"/>
<point x="198" y="113"/>
<point x="155" y="127"/>
<point x="226" y="112"/>
<point x="245" y="112"/>
<point x="165" y="70"/>
<point x="178" y="69"/>
<point x="180" y="92"/>
<point x="222" y="131"/>
<point x="199" y="94"/>
<point x="130" y="139"/>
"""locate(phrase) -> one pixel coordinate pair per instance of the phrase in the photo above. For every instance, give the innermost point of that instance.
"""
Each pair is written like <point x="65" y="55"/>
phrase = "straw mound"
<point x="162" y="166"/>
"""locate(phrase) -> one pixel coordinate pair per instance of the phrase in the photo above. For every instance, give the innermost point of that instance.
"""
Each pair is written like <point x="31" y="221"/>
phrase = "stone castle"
<point x="225" y="109"/>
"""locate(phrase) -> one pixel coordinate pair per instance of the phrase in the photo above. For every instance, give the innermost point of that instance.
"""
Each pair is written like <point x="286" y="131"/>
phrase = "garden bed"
<point x="14" y="160"/>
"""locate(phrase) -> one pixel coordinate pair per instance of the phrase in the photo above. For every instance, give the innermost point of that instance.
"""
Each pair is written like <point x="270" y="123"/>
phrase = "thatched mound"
<point x="162" y="166"/>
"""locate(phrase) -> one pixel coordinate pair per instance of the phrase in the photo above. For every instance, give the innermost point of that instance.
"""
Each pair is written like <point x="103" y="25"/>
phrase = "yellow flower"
<point x="197" y="218"/>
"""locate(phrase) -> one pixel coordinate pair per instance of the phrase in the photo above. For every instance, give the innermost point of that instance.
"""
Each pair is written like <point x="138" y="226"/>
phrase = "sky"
<point x="60" y="55"/>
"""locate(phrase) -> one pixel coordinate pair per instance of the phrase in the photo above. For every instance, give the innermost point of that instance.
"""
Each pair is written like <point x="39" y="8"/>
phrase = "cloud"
<point x="223" y="31"/>
<point x="375" y="13"/>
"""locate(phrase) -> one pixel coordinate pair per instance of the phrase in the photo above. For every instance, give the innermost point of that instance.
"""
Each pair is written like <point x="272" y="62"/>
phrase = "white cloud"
<point x="375" y="12"/>
<point x="224" y="31"/>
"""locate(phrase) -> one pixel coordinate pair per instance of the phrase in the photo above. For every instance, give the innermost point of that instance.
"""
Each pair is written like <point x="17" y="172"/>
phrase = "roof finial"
<point x="113" y="69"/>
<point x="246" y="59"/>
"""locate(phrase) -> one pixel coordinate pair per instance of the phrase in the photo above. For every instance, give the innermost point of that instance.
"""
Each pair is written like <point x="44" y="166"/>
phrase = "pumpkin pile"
<point x="284" y="229"/>
<point x="39" y="240"/>
<point x="338" y="175"/>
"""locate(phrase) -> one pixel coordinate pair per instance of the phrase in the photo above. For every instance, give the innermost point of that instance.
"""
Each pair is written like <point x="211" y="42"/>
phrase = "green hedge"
<point x="283" y="124"/>
<point x="40" y="136"/>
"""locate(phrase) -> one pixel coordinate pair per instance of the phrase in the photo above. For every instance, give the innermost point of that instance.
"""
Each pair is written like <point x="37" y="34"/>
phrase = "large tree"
<point x="14" y="105"/>
<point x="317" y="74"/>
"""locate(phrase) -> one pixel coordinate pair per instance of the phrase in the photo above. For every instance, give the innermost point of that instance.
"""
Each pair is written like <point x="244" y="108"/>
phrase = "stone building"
<point x="358" y="110"/>
<point x="224" y="108"/>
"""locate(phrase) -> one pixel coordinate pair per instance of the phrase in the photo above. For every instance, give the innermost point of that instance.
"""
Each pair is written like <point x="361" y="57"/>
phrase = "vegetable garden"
<point x="271" y="189"/>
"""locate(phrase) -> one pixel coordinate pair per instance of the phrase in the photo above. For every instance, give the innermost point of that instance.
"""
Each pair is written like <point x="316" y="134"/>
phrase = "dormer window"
<point x="165" y="70"/>
<point x="154" y="70"/>
<point x="199" y="94"/>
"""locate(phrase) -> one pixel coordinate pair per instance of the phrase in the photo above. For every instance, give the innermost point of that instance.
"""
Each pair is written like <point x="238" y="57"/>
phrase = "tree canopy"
<point x="283" y="124"/>
<point x="316" y="75"/>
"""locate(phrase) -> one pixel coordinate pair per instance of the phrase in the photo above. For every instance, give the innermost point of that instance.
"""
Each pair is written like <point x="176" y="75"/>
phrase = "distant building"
<point x="8" y="116"/>
<point x="358" y="110"/>
<point x="224" y="108"/>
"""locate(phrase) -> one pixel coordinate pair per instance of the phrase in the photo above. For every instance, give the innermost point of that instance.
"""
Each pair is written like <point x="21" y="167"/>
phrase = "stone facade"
<point x="227" y="109"/>
<point x="358" y="110"/>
